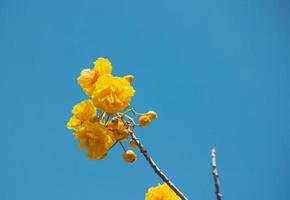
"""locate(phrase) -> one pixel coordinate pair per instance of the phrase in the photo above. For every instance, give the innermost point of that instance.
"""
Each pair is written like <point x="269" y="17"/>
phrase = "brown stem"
<point x="156" y="168"/>
<point x="215" y="175"/>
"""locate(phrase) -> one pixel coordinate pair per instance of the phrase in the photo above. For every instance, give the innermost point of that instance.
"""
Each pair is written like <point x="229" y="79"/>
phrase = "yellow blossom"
<point x="144" y="120"/>
<point x="88" y="77"/>
<point x="129" y="156"/>
<point x="119" y="129"/>
<point x="95" y="138"/>
<point x="82" y="112"/>
<point x="73" y="123"/>
<point x="161" y="192"/>
<point x="102" y="66"/>
<point x="112" y="94"/>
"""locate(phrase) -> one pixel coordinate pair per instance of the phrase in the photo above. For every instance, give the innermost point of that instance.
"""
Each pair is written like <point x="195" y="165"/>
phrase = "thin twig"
<point x="215" y="175"/>
<point x="155" y="167"/>
<point x="123" y="147"/>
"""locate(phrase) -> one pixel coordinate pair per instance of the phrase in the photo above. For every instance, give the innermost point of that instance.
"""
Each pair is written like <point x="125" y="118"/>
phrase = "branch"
<point x="215" y="175"/>
<point x="156" y="168"/>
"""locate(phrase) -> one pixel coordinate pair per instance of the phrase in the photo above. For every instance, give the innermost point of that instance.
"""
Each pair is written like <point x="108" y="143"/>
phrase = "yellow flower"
<point x="161" y="192"/>
<point x="129" y="156"/>
<point x="144" y="120"/>
<point x="119" y="130"/>
<point x="95" y="138"/>
<point x="112" y="94"/>
<point x="88" y="77"/>
<point x="73" y="123"/>
<point x="82" y="112"/>
<point x="102" y="66"/>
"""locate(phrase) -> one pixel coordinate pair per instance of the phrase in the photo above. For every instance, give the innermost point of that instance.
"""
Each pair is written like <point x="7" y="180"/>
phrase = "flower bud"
<point x="129" y="156"/>
<point x="152" y="114"/>
<point x="144" y="120"/>
<point x="133" y="144"/>
<point x="129" y="78"/>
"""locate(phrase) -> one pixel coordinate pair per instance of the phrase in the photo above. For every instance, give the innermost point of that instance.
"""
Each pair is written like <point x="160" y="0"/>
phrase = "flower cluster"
<point x="102" y="120"/>
<point x="161" y="192"/>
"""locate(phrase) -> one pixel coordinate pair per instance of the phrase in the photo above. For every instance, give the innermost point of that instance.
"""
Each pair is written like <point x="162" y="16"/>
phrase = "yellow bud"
<point x="144" y="120"/>
<point x="129" y="156"/>
<point x="152" y="114"/>
<point x="129" y="78"/>
<point x="133" y="144"/>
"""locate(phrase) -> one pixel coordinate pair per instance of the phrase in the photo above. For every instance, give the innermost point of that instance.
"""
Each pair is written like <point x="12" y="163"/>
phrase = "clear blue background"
<point x="217" y="72"/>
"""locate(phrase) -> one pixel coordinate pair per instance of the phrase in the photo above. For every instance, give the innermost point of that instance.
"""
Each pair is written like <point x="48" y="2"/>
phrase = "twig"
<point x="156" y="168"/>
<point x="123" y="147"/>
<point x="215" y="175"/>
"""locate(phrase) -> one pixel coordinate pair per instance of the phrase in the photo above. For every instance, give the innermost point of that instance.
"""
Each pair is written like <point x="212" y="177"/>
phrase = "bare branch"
<point x="215" y="174"/>
<point x="156" y="168"/>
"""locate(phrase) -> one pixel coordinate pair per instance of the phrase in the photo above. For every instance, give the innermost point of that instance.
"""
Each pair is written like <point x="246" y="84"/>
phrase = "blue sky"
<point x="217" y="73"/>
